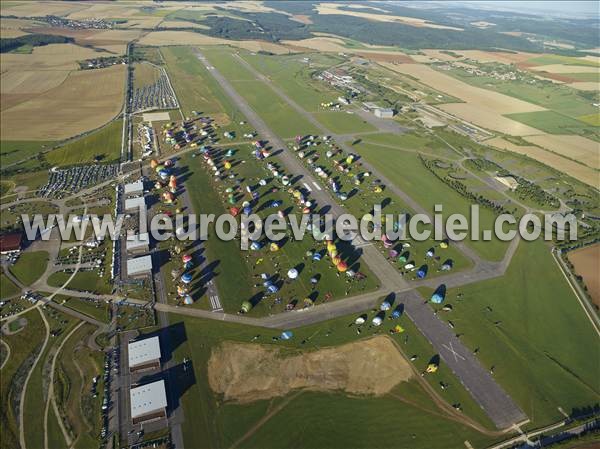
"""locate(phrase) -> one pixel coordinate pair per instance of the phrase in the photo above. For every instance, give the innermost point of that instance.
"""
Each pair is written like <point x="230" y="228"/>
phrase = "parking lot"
<point x="73" y="179"/>
<point x="159" y="95"/>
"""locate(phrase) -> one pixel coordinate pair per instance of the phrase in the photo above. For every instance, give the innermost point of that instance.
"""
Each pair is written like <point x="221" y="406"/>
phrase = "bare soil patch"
<point x="245" y="372"/>
<point x="587" y="265"/>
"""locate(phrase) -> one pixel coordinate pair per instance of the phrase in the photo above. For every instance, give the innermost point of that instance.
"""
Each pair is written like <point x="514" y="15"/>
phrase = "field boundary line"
<point x="582" y="301"/>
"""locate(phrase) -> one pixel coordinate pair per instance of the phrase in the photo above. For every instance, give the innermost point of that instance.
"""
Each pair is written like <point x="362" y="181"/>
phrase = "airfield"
<point x="511" y="343"/>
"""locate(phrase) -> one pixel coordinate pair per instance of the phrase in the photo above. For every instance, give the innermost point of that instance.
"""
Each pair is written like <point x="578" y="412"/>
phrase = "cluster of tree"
<point x="264" y="26"/>
<point x="35" y="40"/>
<point x="529" y="190"/>
<point x="462" y="189"/>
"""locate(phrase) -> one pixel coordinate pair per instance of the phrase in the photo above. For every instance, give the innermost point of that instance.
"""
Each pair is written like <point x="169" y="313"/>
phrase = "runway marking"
<point x="454" y="353"/>
<point x="307" y="187"/>
<point x="215" y="303"/>
<point x="317" y="186"/>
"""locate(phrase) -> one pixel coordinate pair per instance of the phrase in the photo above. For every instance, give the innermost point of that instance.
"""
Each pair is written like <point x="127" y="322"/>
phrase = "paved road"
<point x="488" y="394"/>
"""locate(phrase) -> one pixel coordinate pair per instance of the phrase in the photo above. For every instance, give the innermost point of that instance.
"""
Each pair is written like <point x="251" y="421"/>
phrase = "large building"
<point x="383" y="112"/>
<point x="148" y="402"/>
<point x="144" y="354"/>
<point x="134" y="188"/>
<point x="138" y="244"/>
<point x="135" y="204"/>
<point x="139" y="266"/>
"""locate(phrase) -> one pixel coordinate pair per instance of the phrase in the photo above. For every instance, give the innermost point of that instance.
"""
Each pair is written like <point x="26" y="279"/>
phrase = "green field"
<point x="559" y="59"/>
<point x="33" y="411"/>
<point x="76" y="367"/>
<point x="12" y="151"/>
<point x="530" y="327"/>
<point x="591" y="119"/>
<point x="30" y="266"/>
<point x="550" y="122"/>
<point x="404" y="418"/>
<point x="22" y="345"/>
<point x="341" y="122"/>
<point x="104" y="143"/>
<point x="415" y="142"/>
<point x="83" y="281"/>
<point x="7" y="287"/>
<point x="98" y="311"/>
<point x="586" y="76"/>
<point x="413" y="178"/>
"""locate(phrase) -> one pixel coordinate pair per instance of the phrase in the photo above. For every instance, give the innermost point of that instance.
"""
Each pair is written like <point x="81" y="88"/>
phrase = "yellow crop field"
<point x="585" y="85"/>
<point x="333" y="8"/>
<point x="579" y="148"/>
<point x="36" y="9"/>
<point x="327" y="44"/>
<point x="577" y="171"/>
<point x="162" y="38"/>
<point x="564" y="68"/>
<point x="30" y="81"/>
<point x="502" y="104"/>
<point x="84" y="101"/>
<point x="49" y="57"/>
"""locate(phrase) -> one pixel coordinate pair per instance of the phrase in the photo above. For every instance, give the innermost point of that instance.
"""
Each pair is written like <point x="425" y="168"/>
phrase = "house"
<point x="148" y="402"/>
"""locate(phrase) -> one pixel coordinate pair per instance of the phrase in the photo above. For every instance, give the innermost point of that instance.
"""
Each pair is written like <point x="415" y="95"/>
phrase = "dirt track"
<point x="247" y="372"/>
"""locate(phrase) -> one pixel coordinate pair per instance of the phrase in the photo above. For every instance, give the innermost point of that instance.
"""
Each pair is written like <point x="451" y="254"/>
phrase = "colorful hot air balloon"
<point x="227" y="165"/>
<point x="292" y="273"/>
<point x="153" y="163"/>
<point x="186" y="278"/>
<point x="234" y="211"/>
<point x="186" y="258"/>
<point x="188" y="300"/>
<point x="274" y="247"/>
<point x="342" y="266"/>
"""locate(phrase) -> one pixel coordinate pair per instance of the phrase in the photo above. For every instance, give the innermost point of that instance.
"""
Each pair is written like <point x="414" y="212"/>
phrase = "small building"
<point x="11" y="242"/>
<point x="148" y="402"/>
<point x="144" y="354"/>
<point x="139" y="266"/>
<point x="134" y="188"/>
<point x="135" y="204"/>
<point x="138" y="244"/>
<point x="383" y="112"/>
<point x="508" y="181"/>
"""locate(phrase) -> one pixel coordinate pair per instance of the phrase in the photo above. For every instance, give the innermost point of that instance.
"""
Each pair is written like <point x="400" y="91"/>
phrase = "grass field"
<point x="30" y="266"/>
<point x="12" y="151"/>
<point x="22" y="345"/>
<point x="341" y="122"/>
<point x="104" y="143"/>
<point x="404" y="418"/>
<point x="275" y="112"/>
<point x="529" y="326"/>
<point x="590" y="77"/>
<point x="413" y="178"/>
<point x="83" y="281"/>
<point x="551" y="122"/>
<point x="144" y="74"/>
<point x="559" y="59"/>
<point x="99" y="310"/>
<point x="591" y="119"/>
<point x="33" y="415"/>
<point x="7" y="287"/>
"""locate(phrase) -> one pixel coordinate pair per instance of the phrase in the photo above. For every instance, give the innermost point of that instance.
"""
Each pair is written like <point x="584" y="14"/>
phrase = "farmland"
<point x="585" y="261"/>
<point x="103" y="145"/>
<point x="511" y="320"/>
<point x="76" y="107"/>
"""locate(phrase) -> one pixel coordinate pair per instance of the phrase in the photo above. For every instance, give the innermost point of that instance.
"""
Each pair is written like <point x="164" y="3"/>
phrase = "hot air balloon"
<point x="385" y="305"/>
<point x="342" y="266"/>
<point x="292" y="273"/>
<point x="186" y="278"/>
<point x="188" y="300"/>
<point x="255" y="246"/>
<point x="377" y="321"/>
<point x="316" y="257"/>
<point x="273" y="247"/>
<point x="186" y="258"/>
<point x="168" y="197"/>
<point x="227" y="165"/>
<point x="360" y="320"/>
<point x="234" y="211"/>
<point x="286" y="335"/>
<point x="181" y="291"/>
<point x="153" y="163"/>
<point x="245" y="307"/>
